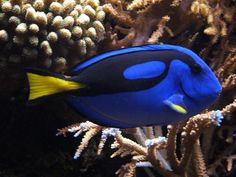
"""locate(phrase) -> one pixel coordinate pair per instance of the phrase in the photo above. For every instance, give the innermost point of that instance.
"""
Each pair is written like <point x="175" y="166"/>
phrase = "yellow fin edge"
<point x="179" y="109"/>
<point x="41" y="85"/>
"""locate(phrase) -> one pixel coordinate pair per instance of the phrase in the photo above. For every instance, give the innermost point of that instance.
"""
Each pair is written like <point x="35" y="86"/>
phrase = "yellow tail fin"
<point x="41" y="85"/>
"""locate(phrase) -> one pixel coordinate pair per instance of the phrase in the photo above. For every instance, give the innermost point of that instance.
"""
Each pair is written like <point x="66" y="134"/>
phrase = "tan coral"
<point x="198" y="160"/>
<point x="160" y="30"/>
<point x="170" y="166"/>
<point x="216" y="25"/>
<point x="138" y="27"/>
<point x="139" y="4"/>
<point x="230" y="160"/>
<point x="127" y="170"/>
<point x="126" y="27"/>
<point x="85" y="140"/>
<point x="120" y="16"/>
<point x="53" y="21"/>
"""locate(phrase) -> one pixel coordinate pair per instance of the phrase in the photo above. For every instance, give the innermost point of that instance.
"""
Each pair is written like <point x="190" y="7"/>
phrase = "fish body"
<point x="141" y="86"/>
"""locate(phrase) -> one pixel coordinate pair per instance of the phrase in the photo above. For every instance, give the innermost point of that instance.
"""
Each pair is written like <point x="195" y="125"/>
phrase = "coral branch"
<point x="230" y="160"/>
<point x="199" y="163"/>
<point x="152" y="151"/>
<point x="171" y="146"/>
<point x="227" y="111"/>
<point x="160" y="30"/>
<point x="140" y="4"/>
<point x="131" y="145"/>
<point x="229" y="83"/>
<point x="191" y="133"/>
<point x="127" y="170"/>
<point x="119" y="16"/>
<point x="84" y="143"/>
<point x="149" y="132"/>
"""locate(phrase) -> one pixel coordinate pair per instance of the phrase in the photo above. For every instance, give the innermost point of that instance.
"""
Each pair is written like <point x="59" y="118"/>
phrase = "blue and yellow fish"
<point x="132" y="87"/>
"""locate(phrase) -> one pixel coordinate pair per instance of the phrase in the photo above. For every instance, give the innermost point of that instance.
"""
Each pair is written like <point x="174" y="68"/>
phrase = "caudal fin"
<point x="41" y="85"/>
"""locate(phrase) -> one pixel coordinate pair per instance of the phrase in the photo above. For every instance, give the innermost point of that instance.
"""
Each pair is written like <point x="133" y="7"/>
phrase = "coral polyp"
<point x="53" y="35"/>
<point x="57" y="34"/>
<point x="43" y="30"/>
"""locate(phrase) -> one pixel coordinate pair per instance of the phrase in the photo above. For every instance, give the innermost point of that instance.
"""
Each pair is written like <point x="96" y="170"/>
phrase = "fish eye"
<point x="196" y="68"/>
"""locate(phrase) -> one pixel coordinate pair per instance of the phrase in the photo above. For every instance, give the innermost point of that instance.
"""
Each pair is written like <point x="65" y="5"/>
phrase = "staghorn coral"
<point x="212" y="12"/>
<point x="139" y="4"/>
<point x="205" y="26"/>
<point x="160" y="30"/>
<point x="49" y="34"/>
<point x="149" y="152"/>
<point x="139" y="21"/>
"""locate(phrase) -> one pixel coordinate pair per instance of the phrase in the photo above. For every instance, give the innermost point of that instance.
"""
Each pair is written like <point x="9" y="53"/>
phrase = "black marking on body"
<point x="106" y="76"/>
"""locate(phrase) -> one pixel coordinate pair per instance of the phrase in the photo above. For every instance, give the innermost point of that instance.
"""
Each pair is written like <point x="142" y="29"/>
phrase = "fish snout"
<point x="218" y="88"/>
<point x="215" y="91"/>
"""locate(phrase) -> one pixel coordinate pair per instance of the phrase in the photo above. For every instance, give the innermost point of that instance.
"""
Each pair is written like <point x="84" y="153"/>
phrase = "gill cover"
<point x="41" y="85"/>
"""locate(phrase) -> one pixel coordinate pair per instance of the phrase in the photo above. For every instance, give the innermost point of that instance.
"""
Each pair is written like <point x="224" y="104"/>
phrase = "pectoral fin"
<point x="175" y="102"/>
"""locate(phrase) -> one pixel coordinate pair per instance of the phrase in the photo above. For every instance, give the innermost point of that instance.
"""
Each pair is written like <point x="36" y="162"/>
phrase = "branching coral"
<point x="216" y="14"/>
<point x="57" y="34"/>
<point x="143" y="22"/>
<point x="226" y="70"/>
<point x="180" y="153"/>
<point x="139" y="20"/>
<point x="218" y="163"/>
<point x="153" y="150"/>
<point x="139" y="4"/>
<point x="137" y="26"/>
<point x="160" y="30"/>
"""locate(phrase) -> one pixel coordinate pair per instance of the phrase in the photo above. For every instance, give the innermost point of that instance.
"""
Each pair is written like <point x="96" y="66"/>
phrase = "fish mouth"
<point x="219" y="90"/>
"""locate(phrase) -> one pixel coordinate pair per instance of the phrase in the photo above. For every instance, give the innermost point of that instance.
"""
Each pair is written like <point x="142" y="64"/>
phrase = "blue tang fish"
<point x="132" y="87"/>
